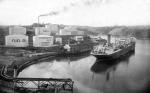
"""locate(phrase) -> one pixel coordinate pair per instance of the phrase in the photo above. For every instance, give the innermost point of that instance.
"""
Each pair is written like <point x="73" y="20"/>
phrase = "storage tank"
<point x="16" y="40"/>
<point x="42" y="31"/>
<point x="42" y="41"/>
<point x="17" y="30"/>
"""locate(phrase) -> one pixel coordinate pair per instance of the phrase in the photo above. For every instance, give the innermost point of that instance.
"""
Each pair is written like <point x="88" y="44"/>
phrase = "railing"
<point x="39" y="85"/>
<point x="43" y="85"/>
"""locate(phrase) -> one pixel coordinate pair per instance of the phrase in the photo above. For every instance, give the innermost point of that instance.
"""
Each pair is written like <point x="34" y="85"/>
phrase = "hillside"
<point x="137" y="31"/>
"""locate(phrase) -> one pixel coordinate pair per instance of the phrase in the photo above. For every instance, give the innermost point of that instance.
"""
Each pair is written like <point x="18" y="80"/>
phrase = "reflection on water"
<point x="128" y="75"/>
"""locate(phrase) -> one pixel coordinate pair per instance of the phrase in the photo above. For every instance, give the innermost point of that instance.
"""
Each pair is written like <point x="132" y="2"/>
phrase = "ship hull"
<point x="115" y="55"/>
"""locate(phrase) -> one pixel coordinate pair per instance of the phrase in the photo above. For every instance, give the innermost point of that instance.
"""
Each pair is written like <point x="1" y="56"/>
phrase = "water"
<point x="129" y="75"/>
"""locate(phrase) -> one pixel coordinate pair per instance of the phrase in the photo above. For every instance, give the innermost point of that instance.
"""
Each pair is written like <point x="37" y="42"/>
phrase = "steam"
<point x="50" y="14"/>
<point x="76" y="12"/>
<point x="90" y="2"/>
<point x="74" y="3"/>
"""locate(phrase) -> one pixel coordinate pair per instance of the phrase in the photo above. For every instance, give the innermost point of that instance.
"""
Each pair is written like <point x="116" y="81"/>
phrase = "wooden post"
<point x="15" y="71"/>
<point x="15" y="75"/>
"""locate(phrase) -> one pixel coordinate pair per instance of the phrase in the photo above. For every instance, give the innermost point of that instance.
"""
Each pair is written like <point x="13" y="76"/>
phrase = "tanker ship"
<point x="112" y="51"/>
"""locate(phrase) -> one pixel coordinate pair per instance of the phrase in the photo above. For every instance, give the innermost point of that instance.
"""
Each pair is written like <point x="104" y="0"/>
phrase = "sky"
<point x="75" y="12"/>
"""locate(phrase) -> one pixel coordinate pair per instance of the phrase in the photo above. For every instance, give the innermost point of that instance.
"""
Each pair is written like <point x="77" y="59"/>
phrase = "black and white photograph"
<point x="74" y="46"/>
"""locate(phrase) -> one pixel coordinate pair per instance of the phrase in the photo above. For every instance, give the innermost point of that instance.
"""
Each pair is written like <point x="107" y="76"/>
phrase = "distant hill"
<point x="91" y="30"/>
<point x="137" y="31"/>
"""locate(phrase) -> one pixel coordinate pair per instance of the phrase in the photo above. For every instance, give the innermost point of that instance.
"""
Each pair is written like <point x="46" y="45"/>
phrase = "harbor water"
<point x="130" y="74"/>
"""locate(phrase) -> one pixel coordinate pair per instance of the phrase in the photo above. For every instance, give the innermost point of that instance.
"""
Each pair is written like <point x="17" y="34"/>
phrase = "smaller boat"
<point x="114" y="51"/>
<point x="75" y="49"/>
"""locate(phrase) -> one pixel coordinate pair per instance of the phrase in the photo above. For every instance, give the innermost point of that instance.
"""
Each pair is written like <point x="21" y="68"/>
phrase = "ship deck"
<point x="101" y="50"/>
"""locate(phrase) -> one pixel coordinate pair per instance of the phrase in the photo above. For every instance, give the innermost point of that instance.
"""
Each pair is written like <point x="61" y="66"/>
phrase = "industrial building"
<point x="42" y="31"/>
<point x="15" y="30"/>
<point x="42" y="41"/>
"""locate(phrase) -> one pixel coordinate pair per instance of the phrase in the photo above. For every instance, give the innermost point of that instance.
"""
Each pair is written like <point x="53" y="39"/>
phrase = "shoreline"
<point x="20" y="63"/>
<point x="19" y="58"/>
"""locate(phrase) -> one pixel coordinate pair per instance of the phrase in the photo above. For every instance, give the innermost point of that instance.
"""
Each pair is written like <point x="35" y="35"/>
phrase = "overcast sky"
<point x="76" y="12"/>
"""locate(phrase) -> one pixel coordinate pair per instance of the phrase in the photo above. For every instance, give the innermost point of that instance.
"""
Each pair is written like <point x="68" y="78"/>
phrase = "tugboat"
<point x="112" y="51"/>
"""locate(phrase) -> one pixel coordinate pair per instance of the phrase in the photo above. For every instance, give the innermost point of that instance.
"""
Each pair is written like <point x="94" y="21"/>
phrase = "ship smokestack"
<point x="108" y="39"/>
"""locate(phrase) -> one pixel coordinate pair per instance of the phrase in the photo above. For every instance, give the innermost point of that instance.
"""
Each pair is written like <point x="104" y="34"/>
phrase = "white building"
<point x="43" y="41"/>
<point x="78" y="38"/>
<point x="64" y="32"/>
<point x="17" y="30"/>
<point x="52" y="27"/>
<point x="16" y="40"/>
<point x="42" y="31"/>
